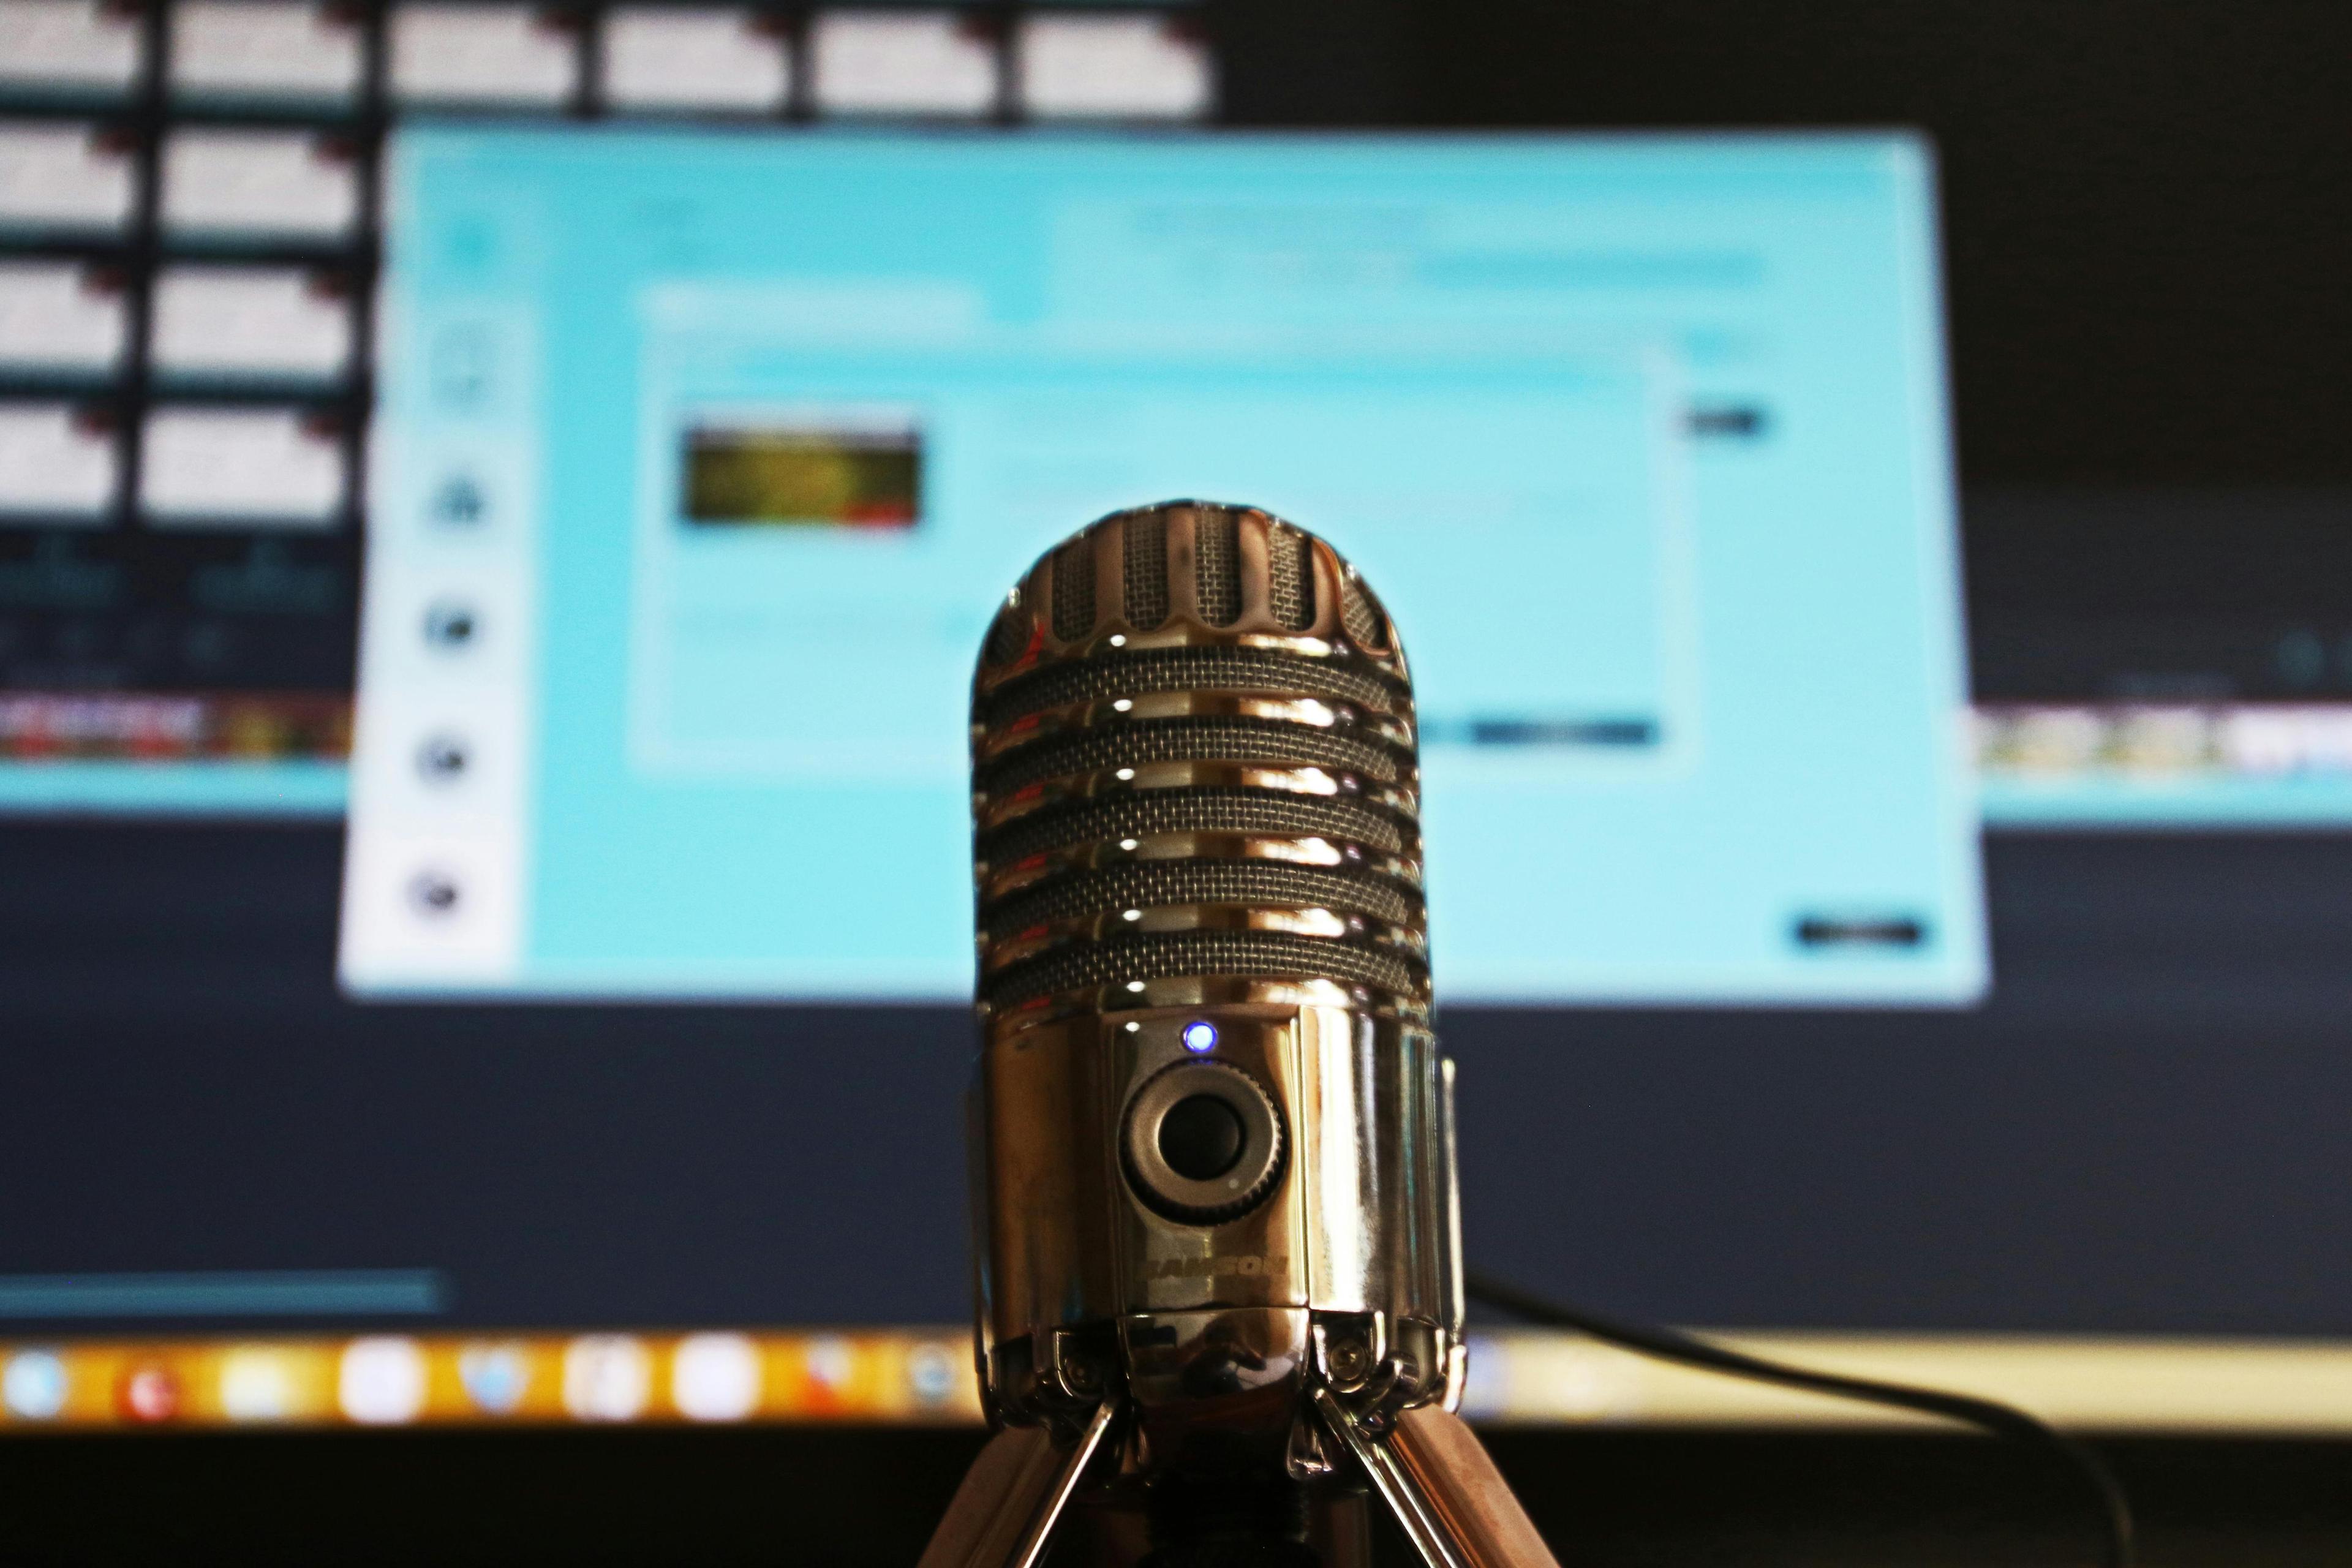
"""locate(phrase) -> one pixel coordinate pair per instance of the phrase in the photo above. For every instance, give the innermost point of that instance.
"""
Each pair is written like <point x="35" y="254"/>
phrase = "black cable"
<point x="1986" y="1414"/>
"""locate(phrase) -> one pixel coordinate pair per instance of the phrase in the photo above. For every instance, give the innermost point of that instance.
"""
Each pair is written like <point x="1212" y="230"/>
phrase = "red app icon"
<point x="150" y="1393"/>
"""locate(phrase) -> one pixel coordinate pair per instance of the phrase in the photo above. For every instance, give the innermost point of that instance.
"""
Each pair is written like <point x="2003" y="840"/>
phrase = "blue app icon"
<point x="495" y="1377"/>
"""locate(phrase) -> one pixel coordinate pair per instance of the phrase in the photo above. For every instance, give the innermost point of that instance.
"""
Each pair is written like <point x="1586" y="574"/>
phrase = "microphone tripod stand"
<point x="1217" y="1454"/>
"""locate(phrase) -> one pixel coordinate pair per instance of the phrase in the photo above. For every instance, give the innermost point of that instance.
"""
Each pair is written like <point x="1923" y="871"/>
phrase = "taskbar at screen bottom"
<point x="924" y="1377"/>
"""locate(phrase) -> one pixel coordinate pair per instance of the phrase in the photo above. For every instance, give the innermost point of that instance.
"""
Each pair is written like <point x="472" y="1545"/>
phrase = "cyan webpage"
<point x="732" y="443"/>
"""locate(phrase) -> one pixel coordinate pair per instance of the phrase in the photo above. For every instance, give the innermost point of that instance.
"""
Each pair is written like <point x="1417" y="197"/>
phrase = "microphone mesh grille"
<point x="1290" y="578"/>
<point x="1148" y="884"/>
<point x="1074" y="589"/>
<point x="1216" y="565"/>
<point x="1185" y="954"/>
<point x="1361" y="614"/>
<point x="1269" y="742"/>
<point x="1253" y="670"/>
<point x="1150" y="812"/>
<point x="1008" y="634"/>
<point x="1215" y="776"/>
<point x="1143" y="543"/>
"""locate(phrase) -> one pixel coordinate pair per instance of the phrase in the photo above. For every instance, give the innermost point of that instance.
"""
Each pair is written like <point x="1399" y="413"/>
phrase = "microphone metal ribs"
<point x="1195" y="770"/>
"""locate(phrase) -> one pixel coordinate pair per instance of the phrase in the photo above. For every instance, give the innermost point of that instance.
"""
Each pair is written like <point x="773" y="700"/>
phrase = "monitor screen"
<point x="597" y="1116"/>
<point x="704" y="460"/>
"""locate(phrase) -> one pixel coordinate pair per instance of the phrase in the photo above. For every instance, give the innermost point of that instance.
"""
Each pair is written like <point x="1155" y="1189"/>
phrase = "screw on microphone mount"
<point x="1348" y="1360"/>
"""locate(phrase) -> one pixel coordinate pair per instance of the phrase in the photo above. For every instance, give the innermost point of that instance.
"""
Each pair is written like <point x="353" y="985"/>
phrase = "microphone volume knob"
<point x="1202" y="1142"/>
<point x="1201" y="1137"/>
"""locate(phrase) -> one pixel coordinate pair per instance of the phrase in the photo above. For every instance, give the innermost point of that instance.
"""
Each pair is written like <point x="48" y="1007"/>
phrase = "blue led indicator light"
<point x="1201" y="1036"/>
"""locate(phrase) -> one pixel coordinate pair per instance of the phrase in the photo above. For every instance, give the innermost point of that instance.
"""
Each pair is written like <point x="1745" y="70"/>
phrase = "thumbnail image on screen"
<point x="704" y="460"/>
<point x="825" y="470"/>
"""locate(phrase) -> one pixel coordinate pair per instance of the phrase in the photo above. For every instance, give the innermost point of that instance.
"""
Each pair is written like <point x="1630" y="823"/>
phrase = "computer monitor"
<point x="704" y="460"/>
<point x="236" y="1191"/>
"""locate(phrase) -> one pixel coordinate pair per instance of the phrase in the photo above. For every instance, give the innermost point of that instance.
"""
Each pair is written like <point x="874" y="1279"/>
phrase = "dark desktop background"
<point x="2148" y="237"/>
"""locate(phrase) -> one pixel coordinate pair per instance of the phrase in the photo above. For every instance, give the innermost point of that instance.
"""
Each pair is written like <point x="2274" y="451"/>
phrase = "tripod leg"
<point x="1005" y="1510"/>
<point x="1451" y="1470"/>
<point x="1447" y="1496"/>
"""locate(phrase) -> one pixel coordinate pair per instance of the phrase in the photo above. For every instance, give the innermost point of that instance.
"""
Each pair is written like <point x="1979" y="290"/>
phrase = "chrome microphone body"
<point x="1214" y="1154"/>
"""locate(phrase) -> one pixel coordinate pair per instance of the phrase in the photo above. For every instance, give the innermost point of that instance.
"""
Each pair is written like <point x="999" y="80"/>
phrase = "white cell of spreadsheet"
<point x="255" y="466"/>
<point x="61" y="177"/>
<point x="1133" y="68"/>
<point x="887" y="62"/>
<point x="69" y="45"/>
<point x="248" y="320"/>
<point x="258" y="182"/>
<point x="263" y="50"/>
<point x="656" y="58"/>
<point x="54" y="316"/>
<point x="480" y="54"/>
<point x="51" y="461"/>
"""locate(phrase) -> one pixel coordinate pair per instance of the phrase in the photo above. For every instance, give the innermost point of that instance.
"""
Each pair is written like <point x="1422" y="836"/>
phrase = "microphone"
<point x="1219" y="1270"/>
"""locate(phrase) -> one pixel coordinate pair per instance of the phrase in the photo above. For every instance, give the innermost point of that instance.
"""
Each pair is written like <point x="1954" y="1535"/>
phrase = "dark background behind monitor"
<point x="2145" y="205"/>
<point x="2147" y="244"/>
